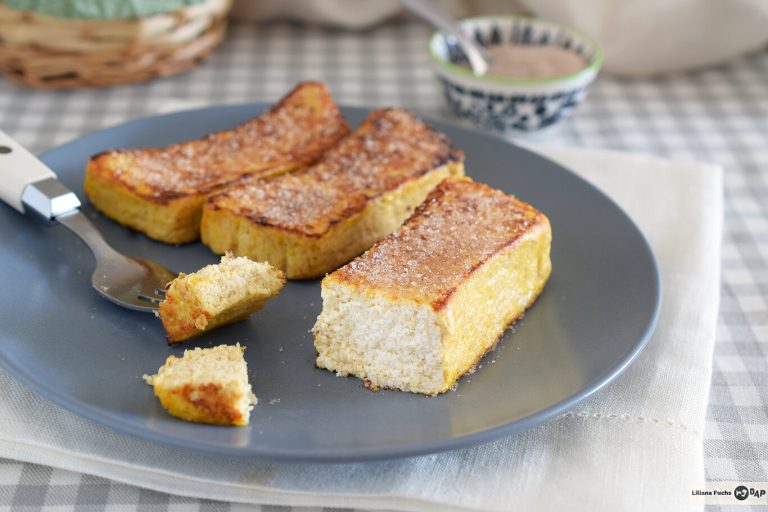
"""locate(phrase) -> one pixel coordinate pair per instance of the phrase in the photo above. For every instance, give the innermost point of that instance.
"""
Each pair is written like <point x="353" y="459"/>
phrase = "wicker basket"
<point x="57" y="53"/>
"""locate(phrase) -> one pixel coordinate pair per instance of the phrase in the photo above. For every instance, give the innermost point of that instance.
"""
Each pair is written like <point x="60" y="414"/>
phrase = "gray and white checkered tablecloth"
<point x="718" y="114"/>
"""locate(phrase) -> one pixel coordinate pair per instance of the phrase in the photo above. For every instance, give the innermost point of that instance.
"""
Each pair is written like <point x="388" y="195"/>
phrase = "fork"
<point x="30" y="186"/>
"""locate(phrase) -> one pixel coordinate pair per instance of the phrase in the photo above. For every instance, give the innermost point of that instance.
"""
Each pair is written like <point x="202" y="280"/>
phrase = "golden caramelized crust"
<point x="207" y="403"/>
<point x="422" y="306"/>
<point x="161" y="192"/>
<point x="292" y="133"/>
<point x="460" y="226"/>
<point x="217" y="295"/>
<point x="206" y="386"/>
<point x="392" y="147"/>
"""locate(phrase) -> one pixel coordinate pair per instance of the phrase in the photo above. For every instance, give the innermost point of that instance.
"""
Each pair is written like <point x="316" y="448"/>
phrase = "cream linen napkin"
<point x="636" y="445"/>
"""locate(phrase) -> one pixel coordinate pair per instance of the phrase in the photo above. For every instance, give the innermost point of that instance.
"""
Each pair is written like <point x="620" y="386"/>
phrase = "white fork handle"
<point x="18" y="168"/>
<point x="27" y="184"/>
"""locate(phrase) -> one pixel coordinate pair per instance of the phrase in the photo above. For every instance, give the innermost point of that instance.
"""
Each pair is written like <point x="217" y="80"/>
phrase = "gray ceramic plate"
<point x="83" y="353"/>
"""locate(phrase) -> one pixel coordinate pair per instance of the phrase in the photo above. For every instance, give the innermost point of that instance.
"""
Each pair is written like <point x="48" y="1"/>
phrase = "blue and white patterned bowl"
<point x="509" y="105"/>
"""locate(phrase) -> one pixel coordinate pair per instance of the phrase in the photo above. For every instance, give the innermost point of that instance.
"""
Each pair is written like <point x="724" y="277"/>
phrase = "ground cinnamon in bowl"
<point x="533" y="61"/>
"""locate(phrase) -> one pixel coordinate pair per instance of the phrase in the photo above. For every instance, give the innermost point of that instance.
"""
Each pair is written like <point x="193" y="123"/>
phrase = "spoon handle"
<point x="477" y="60"/>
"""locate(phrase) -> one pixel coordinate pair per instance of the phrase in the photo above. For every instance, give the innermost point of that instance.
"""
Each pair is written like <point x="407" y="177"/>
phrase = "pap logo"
<point x="742" y="492"/>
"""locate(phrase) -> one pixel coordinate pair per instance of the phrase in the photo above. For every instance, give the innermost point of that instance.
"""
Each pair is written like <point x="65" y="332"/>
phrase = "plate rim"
<point x="105" y="419"/>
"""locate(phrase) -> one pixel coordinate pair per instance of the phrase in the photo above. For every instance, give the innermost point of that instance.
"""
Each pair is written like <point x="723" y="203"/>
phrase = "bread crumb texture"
<point x="206" y="386"/>
<point x="217" y="295"/>
<point x="422" y="306"/>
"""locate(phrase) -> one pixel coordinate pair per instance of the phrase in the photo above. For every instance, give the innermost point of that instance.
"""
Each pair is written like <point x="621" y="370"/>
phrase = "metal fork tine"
<point x="151" y="300"/>
<point x="160" y="291"/>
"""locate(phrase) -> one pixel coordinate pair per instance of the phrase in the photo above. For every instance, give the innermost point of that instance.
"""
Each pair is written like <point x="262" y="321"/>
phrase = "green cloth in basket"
<point x="99" y="9"/>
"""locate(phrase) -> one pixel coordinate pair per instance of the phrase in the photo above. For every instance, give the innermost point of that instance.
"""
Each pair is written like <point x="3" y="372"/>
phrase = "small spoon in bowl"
<point x="476" y="55"/>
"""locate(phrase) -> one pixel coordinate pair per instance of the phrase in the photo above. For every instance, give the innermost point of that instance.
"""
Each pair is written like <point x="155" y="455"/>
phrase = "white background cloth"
<point x="639" y="38"/>
<point x="636" y="445"/>
<point x="659" y="36"/>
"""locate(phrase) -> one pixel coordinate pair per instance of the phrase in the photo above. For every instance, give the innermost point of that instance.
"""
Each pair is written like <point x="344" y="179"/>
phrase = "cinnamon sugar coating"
<point x="392" y="147"/>
<point x="459" y="226"/>
<point x="293" y="132"/>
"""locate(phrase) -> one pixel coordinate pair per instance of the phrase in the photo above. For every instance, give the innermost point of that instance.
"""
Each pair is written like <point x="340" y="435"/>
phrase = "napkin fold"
<point x="635" y="445"/>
